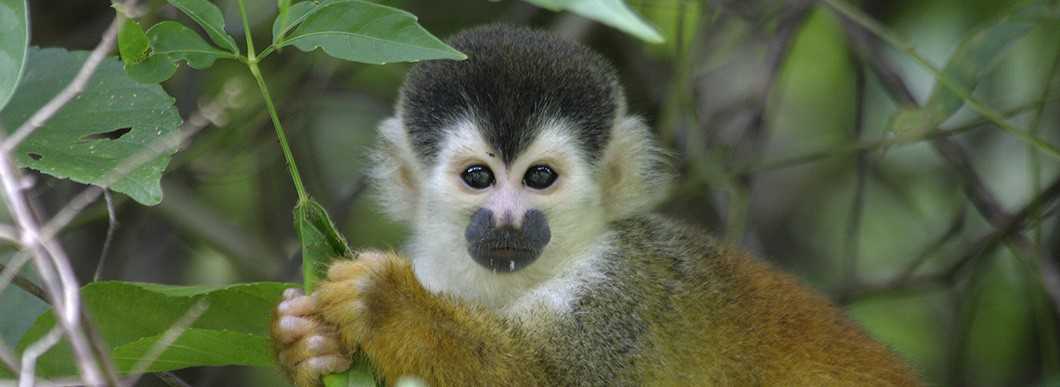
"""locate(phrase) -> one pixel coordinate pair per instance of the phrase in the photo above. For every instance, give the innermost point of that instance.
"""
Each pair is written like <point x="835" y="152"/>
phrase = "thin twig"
<point x="21" y="282"/>
<point x="955" y="228"/>
<point x="76" y="86"/>
<point x="54" y="269"/>
<point x="847" y="11"/>
<point x="6" y="354"/>
<point x="112" y="226"/>
<point x="198" y="121"/>
<point x="50" y="260"/>
<point x="10" y="272"/>
<point x="857" y="205"/>
<point x="7" y="357"/>
<point x="882" y="144"/>
<point x="27" y="376"/>
<point x="1009" y="231"/>
<point x="975" y="190"/>
<point x="8" y="233"/>
<point x="168" y="338"/>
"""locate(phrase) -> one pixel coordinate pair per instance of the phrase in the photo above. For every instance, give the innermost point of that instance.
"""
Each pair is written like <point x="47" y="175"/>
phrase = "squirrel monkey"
<point x="534" y="259"/>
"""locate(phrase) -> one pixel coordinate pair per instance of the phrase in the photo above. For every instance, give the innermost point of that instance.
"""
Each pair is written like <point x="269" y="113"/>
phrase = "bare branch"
<point x="10" y="272"/>
<point x="76" y="86"/>
<point x="27" y="377"/>
<point x="1007" y="227"/>
<point x="886" y="143"/>
<point x="171" y="335"/>
<point x="857" y="206"/>
<point x="49" y="259"/>
<point x="173" y="140"/>
<point x="8" y="233"/>
<point x="21" y="281"/>
<point x="8" y="358"/>
<point x="112" y="226"/>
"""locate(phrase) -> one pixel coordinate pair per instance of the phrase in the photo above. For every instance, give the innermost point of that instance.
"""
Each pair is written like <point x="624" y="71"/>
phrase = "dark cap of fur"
<point x="513" y="80"/>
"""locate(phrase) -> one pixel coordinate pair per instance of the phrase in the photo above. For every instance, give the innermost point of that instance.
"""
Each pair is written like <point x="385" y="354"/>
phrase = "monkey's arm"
<point x="379" y="306"/>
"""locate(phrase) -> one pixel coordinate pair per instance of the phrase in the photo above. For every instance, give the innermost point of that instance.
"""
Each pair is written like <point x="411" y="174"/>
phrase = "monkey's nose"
<point x="481" y="223"/>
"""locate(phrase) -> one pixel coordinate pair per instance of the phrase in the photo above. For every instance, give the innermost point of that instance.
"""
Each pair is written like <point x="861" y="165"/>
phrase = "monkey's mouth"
<point x="502" y="259"/>
<point x="508" y="252"/>
<point x="506" y="249"/>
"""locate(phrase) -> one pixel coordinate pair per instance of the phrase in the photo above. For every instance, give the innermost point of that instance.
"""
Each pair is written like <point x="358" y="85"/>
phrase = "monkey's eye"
<point x="539" y="177"/>
<point x="478" y="176"/>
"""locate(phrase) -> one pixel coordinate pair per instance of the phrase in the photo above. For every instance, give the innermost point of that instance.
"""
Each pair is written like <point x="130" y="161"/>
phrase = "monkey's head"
<point x="511" y="164"/>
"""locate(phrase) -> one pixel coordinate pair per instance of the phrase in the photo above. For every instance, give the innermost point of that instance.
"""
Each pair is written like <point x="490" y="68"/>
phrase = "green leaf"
<point x="113" y="119"/>
<point x="171" y="42"/>
<point x="133" y="45"/>
<point x="614" y="13"/>
<point x="181" y="43"/>
<point x="132" y="317"/>
<point x="135" y="49"/>
<point x="154" y="70"/>
<point x="359" y="375"/>
<point x="321" y="242"/>
<point x="196" y="348"/>
<point x="976" y="55"/>
<point x="210" y="18"/>
<point x="361" y="31"/>
<point x="295" y="15"/>
<point x="14" y="17"/>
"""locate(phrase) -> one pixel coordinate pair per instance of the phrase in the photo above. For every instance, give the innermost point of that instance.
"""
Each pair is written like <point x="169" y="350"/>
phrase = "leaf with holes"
<point x="361" y="31"/>
<point x="132" y="317"/>
<point x="614" y="13"/>
<point x="14" y="17"/>
<point x="88" y="141"/>
<point x="974" y="58"/>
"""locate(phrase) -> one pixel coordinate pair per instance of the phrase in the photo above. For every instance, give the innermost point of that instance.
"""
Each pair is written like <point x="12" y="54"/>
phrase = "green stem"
<point x="996" y="117"/>
<point x="266" y="52"/>
<point x="281" y="135"/>
<point x="252" y="60"/>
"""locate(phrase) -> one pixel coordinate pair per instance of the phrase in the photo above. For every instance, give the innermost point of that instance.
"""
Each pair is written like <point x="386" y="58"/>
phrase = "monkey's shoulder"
<point x="698" y="296"/>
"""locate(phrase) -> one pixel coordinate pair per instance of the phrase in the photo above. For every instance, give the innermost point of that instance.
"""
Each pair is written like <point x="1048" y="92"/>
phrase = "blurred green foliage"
<point x="990" y="324"/>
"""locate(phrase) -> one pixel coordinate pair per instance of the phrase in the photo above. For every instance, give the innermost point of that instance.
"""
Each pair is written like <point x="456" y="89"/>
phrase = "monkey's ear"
<point x="395" y="174"/>
<point x="635" y="173"/>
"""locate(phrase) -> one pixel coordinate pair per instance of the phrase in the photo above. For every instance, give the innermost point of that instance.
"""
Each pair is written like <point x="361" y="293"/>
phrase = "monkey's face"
<point x="509" y="165"/>
<point x="513" y="213"/>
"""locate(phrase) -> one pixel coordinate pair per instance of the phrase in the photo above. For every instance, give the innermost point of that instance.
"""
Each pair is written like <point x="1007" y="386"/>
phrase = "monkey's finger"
<point x="290" y="293"/>
<point x="308" y="347"/>
<point x="328" y="364"/>
<point x="344" y="270"/>
<point x="371" y="256"/>
<point x="297" y="306"/>
<point x="308" y="373"/>
<point x="291" y="328"/>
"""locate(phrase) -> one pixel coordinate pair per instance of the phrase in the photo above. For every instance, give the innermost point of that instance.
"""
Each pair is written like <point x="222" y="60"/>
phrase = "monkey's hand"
<point x="306" y="347"/>
<point x="376" y="305"/>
